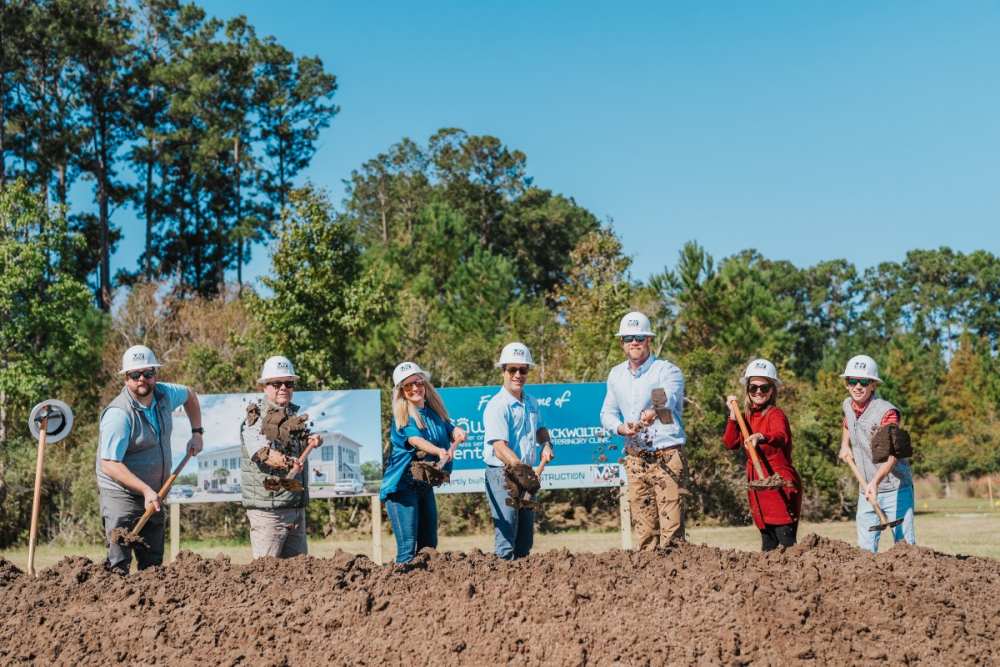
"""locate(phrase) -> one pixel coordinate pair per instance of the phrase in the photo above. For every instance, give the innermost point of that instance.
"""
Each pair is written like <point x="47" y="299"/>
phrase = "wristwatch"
<point x="200" y="430"/>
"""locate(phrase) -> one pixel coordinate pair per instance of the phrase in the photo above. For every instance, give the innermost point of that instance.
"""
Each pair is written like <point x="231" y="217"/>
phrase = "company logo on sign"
<point x="469" y="426"/>
<point x="605" y="473"/>
<point x="138" y="356"/>
<point x="860" y="365"/>
<point x="633" y="324"/>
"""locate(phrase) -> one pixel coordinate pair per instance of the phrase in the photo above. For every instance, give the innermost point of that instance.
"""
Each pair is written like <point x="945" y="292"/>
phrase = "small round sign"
<point x="60" y="420"/>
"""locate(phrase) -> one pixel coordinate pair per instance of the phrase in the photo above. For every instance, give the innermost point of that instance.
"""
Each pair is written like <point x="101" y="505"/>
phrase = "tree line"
<point x="199" y="125"/>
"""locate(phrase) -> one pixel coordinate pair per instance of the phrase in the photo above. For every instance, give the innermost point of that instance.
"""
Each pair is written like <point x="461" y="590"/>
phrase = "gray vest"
<point x="862" y="429"/>
<point x="148" y="454"/>
<point x="253" y="474"/>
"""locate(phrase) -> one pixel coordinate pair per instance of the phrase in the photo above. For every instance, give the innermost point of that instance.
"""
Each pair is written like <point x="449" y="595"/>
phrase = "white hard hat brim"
<point x="422" y="373"/>
<point x="265" y="380"/>
<point x="776" y="381"/>
<point x="136" y="368"/>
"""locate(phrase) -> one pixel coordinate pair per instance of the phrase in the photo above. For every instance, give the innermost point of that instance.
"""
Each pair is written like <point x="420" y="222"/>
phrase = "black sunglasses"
<point x="862" y="381"/>
<point x="517" y="370"/>
<point x="637" y="339"/>
<point x="758" y="388"/>
<point x="278" y="384"/>
<point x="149" y="374"/>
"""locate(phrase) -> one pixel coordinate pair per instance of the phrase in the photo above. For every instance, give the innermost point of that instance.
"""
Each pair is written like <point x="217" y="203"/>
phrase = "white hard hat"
<point x="138" y="356"/>
<point x="277" y="367"/>
<point x="635" y="324"/>
<point x="515" y="353"/>
<point x="861" y="366"/>
<point x="761" y="368"/>
<point x="405" y="370"/>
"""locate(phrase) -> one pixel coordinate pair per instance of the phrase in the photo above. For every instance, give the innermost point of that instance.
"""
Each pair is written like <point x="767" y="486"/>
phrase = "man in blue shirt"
<point x="133" y="455"/>
<point x="513" y="430"/>
<point x="644" y="403"/>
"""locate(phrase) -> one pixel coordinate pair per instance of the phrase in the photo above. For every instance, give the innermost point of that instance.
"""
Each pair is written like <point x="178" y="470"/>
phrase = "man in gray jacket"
<point x="273" y="482"/>
<point x="133" y="455"/>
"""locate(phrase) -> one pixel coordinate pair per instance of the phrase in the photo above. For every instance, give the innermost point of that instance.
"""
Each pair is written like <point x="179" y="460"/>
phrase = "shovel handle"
<point x="162" y="494"/>
<point x="36" y="500"/>
<point x="884" y="521"/>
<point x="751" y="449"/>
<point x="301" y="460"/>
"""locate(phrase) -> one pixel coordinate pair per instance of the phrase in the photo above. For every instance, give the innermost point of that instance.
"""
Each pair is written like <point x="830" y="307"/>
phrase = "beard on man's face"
<point x="142" y="389"/>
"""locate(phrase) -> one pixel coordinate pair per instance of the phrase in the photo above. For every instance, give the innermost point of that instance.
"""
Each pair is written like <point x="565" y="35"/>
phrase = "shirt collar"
<point x="510" y="398"/>
<point x="642" y="369"/>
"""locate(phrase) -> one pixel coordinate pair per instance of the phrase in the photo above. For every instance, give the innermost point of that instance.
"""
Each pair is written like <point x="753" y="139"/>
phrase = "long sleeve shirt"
<point x="629" y="393"/>
<point x="773" y="507"/>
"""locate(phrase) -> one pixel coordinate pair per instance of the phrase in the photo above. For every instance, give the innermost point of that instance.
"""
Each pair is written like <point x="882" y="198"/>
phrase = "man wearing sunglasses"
<point x="644" y="404"/>
<point x="512" y="432"/>
<point x="272" y="435"/>
<point x="890" y="484"/>
<point x="133" y="456"/>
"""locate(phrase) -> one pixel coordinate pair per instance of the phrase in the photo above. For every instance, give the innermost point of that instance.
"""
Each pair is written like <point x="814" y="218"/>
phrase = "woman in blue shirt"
<point x="420" y="429"/>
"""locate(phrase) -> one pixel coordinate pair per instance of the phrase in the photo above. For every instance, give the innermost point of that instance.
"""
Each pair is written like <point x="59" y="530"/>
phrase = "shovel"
<point x="120" y="536"/>
<point x="50" y="421"/>
<point x="528" y="500"/>
<point x="762" y="481"/>
<point x="288" y="482"/>
<point x="878" y="510"/>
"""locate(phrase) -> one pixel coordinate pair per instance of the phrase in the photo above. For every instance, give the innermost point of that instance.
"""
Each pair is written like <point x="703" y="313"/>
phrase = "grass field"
<point x="958" y="525"/>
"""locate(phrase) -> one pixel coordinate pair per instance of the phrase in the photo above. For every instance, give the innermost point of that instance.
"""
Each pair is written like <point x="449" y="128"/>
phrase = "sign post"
<point x="376" y="529"/>
<point x="175" y="530"/>
<point x="625" y="517"/>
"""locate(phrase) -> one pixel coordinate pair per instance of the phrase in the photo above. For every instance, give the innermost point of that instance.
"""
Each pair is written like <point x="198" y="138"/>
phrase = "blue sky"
<point x="806" y="130"/>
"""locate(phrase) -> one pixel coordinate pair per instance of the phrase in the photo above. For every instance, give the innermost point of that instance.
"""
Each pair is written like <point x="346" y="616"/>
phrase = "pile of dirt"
<point x="822" y="601"/>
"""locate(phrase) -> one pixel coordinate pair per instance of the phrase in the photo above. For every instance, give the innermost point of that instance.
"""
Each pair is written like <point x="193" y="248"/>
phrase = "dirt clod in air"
<point x="771" y="482"/>
<point x="822" y="602"/>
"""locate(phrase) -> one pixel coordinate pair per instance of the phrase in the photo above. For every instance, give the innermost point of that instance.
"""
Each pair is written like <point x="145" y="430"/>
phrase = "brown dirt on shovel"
<point x="820" y="602"/>
<point x="125" y="538"/>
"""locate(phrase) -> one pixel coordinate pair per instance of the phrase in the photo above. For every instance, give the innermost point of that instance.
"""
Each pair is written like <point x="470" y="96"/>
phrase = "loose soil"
<point x="125" y="538"/>
<point x="820" y="602"/>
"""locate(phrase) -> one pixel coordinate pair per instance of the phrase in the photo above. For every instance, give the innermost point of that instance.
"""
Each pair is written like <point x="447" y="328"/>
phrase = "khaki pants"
<point x="654" y="496"/>
<point x="280" y="533"/>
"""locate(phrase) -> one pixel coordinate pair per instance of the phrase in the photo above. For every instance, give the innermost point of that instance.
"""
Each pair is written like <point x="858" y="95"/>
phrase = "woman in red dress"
<point x="775" y="511"/>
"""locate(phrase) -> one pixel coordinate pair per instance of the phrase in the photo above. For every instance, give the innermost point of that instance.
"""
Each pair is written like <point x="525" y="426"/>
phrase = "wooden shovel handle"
<point x="861" y="486"/>
<point x="301" y="460"/>
<point x="162" y="494"/>
<point x="751" y="450"/>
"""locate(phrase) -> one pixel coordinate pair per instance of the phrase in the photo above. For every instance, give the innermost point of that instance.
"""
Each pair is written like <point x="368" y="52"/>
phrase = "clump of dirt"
<point x="8" y="572"/>
<point x="771" y="482"/>
<point x="125" y="538"/>
<point x="821" y="601"/>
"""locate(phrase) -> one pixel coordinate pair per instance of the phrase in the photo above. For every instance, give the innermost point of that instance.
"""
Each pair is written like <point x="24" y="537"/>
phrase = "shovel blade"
<point x="882" y="526"/>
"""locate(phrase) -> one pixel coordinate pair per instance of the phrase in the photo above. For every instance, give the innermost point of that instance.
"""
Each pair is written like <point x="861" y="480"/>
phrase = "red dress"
<point x="772" y="507"/>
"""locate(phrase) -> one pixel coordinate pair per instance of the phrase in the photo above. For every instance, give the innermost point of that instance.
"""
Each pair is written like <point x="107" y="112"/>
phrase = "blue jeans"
<point x="514" y="530"/>
<point x="413" y="514"/>
<point x="895" y="504"/>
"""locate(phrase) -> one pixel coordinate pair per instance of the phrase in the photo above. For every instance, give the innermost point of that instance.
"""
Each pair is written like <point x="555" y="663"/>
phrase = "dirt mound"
<point x="822" y="601"/>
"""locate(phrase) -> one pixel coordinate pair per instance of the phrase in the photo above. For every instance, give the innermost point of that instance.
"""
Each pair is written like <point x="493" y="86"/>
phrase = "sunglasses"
<point x="862" y="381"/>
<point x="637" y="339"/>
<point x="149" y="374"/>
<point x="411" y="386"/>
<point x="758" y="388"/>
<point x="278" y="384"/>
<point x="517" y="370"/>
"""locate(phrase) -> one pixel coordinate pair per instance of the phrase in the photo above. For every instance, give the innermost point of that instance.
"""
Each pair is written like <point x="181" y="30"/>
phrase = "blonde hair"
<point x="402" y="409"/>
